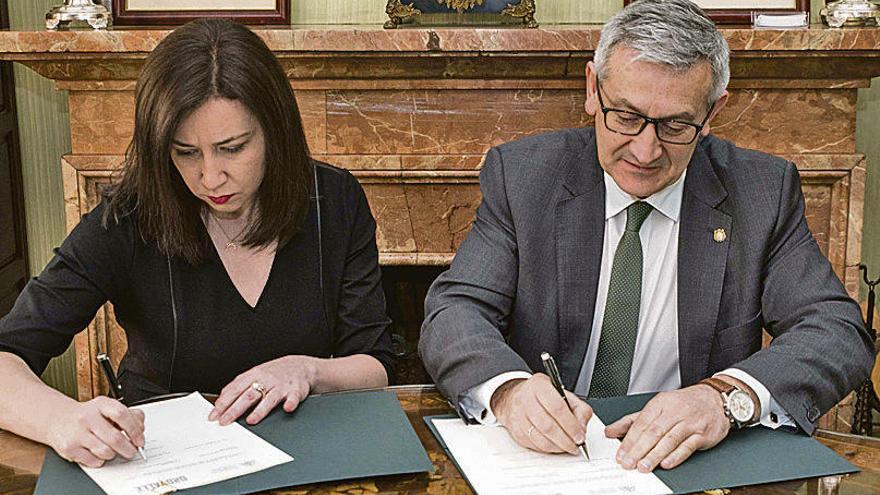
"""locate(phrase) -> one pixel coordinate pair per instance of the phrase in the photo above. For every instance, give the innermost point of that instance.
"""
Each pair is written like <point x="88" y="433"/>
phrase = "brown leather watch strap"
<point x="725" y="389"/>
<point x="719" y="385"/>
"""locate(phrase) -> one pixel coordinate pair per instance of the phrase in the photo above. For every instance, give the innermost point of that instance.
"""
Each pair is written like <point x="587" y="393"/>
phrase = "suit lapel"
<point x="701" y="264"/>
<point x="579" y="231"/>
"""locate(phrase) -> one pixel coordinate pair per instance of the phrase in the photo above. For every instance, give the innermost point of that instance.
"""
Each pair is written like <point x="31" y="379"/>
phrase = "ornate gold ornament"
<point x="398" y="13"/>
<point x="525" y="10"/>
<point x="461" y="5"/>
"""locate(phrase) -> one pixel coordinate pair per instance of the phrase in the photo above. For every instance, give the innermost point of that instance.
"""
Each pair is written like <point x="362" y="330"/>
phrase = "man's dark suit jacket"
<point x="525" y="279"/>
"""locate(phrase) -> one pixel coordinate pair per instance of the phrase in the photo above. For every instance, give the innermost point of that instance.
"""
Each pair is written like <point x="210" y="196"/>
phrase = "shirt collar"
<point x="667" y="200"/>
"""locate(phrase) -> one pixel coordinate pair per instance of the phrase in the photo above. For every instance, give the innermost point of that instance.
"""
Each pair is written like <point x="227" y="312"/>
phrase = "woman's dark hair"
<point x="203" y="59"/>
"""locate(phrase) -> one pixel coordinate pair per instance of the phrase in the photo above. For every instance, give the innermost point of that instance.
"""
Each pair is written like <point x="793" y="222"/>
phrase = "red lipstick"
<point x="219" y="200"/>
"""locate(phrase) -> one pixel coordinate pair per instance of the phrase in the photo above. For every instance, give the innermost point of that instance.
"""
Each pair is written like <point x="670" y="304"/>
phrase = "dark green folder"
<point x="331" y="437"/>
<point x="746" y="457"/>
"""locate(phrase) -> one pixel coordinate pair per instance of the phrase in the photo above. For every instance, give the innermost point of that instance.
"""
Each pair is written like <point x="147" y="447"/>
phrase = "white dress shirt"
<point x="655" y="364"/>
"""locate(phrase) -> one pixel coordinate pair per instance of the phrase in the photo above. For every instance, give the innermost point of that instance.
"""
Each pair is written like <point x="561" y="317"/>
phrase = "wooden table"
<point x="20" y="462"/>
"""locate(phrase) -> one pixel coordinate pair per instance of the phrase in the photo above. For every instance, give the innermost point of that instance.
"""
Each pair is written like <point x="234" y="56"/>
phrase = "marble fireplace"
<point x="411" y="113"/>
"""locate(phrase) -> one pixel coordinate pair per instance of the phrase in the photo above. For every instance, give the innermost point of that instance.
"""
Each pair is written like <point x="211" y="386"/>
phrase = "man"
<point x="645" y="255"/>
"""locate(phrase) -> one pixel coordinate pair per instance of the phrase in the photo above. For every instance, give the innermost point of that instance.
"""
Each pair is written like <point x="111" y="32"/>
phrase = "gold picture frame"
<point x="519" y="13"/>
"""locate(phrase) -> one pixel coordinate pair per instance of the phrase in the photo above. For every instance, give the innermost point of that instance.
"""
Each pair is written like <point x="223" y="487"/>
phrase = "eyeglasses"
<point x="670" y="131"/>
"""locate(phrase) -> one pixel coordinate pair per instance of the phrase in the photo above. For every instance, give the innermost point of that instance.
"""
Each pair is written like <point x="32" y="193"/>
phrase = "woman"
<point x="234" y="262"/>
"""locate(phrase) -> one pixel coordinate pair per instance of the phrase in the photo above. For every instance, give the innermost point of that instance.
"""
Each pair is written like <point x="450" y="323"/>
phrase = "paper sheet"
<point x="185" y="450"/>
<point x="495" y="464"/>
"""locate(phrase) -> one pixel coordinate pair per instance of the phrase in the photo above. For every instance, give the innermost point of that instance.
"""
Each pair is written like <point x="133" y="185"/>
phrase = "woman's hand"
<point x="287" y="379"/>
<point x="91" y="433"/>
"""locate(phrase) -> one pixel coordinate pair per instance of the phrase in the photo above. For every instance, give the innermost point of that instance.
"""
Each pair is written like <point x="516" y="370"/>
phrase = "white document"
<point x="185" y="450"/>
<point x="495" y="464"/>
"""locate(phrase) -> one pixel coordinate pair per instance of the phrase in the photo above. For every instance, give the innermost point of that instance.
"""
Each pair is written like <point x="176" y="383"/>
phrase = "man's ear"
<point x="591" y="103"/>
<point x="717" y="108"/>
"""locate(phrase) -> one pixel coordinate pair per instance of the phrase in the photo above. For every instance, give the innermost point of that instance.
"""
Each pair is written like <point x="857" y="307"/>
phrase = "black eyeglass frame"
<point x="648" y="120"/>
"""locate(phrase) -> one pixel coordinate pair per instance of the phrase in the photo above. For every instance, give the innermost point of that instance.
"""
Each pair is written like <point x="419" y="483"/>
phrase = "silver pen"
<point x="553" y="372"/>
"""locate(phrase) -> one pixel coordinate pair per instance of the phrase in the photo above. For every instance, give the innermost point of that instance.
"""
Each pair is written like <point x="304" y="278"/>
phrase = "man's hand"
<point x="671" y="427"/>
<point x="536" y="416"/>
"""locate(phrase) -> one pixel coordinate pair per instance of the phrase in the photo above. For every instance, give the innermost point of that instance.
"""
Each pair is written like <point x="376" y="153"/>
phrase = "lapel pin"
<point x="720" y="235"/>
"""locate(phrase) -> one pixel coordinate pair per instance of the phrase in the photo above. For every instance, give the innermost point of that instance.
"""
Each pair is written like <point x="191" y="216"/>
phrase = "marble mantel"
<point x="412" y="111"/>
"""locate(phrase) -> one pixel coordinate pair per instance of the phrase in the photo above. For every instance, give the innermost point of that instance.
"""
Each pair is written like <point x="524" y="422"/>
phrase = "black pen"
<point x="115" y="390"/>
<point x="553" y="372"/>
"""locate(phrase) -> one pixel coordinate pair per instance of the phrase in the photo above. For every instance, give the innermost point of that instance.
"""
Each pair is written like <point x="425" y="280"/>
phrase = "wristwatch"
<point x="739" y="407"/>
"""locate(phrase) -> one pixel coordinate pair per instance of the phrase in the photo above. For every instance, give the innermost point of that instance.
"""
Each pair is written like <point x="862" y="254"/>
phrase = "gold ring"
<point x="531" y="429"/>
<point x="259" y="387"/>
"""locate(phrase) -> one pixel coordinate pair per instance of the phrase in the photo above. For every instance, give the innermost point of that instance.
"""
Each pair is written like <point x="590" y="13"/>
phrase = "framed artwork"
<point x="740" y="11"/>
<point x="175" y="12"/>
<point x="460" y="13"/>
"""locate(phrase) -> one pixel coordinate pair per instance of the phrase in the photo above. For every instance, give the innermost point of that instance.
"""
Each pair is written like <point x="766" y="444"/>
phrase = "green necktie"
<point x="620" y="326"/>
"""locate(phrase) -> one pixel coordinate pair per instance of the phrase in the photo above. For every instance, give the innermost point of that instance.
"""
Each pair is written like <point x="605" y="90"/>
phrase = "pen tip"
<point x="545" y="356"/>
<point x="584" y="451"/>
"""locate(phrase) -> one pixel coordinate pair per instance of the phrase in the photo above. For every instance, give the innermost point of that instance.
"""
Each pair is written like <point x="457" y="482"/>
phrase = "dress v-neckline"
<point x="261" y="296"/>
<point x="235" y="288"/>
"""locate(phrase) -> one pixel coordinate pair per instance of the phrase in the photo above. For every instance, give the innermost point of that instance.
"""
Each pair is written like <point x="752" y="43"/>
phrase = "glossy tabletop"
<point x="20" y="462"/>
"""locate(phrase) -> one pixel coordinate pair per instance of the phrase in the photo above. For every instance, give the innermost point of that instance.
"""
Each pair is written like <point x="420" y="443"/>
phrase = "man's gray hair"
<point x="674" y="33"/>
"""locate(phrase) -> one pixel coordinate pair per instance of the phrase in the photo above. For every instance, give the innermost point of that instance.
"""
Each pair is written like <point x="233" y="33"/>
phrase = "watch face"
<point x="741" y="406"/>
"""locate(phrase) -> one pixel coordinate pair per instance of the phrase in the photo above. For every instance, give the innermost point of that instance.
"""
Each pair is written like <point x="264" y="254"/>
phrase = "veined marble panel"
<point x="826" y="195"/>
<point x="101" y="122"/>
<point x="444" y="122"/>
<point x="374" y="38"/>
<point x="436" y="122"/>
<point x="394" y="229"/>
<point x="785" y="121"/>
<point x="312" y="111"/>
<point x="470" y="121"/>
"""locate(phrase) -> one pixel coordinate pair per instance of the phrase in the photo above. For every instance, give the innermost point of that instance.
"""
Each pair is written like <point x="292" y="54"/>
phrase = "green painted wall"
<point x="868" y="142"/>
<point x="43" y="124"/>
<point x="43" y="121"/>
